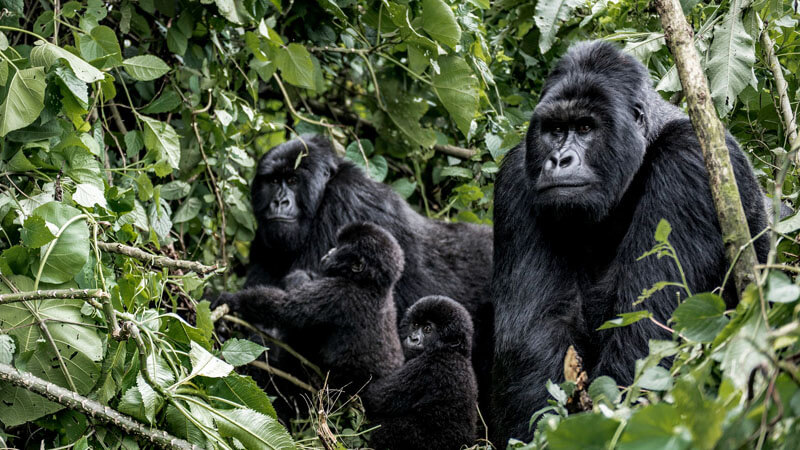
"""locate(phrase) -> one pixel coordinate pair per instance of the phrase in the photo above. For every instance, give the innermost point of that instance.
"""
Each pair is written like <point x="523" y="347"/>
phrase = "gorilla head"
<point x="586" y="138"/>
<point x="436" y="323"/>
<point x="365" y="252"/>
<point x="287" y="191"/>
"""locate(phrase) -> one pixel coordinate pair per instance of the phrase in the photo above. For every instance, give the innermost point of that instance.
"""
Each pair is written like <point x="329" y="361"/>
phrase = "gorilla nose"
<point x="564" y="161"/>
<point x="280" y="203"/>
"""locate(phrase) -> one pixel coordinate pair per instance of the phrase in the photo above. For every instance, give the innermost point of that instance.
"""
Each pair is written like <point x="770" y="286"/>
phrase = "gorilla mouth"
<point x="543" y="186"/>
<point x="281" y="219"/>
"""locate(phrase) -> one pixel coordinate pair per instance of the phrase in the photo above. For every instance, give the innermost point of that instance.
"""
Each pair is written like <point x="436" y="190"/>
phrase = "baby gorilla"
<point x="429" y="403"/>
<point x="348" y="308"/>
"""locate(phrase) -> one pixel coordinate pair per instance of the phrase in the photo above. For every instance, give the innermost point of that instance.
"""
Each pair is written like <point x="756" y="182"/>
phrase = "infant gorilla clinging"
<point x="349" y="309"/>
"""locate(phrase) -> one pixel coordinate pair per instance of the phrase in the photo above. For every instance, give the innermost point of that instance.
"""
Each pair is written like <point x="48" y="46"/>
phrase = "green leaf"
<point x="206" y="364"/>
<point x="405" y="113"/>
<point x="440" y="23"/>
<point x="663" y="230"/>
<point x="145" y="67"/>
<point x="24" y="100"/>
<point x="584" y="431"/>
<point x="88" y="195"/>
<point x="655" y="378"/>
<point x="46" y="54"/>
<point x="604" y="388"/>
<point x="106" y="39"/>
<point x="548" y="17"/>
<point x="333" y="8"/>
<point x="7" y="348"/>
<point x="781" y="289"/>
<point x="656" y="426"/>
<point x="175" y="190"/>
<point x="133" y="142"/>
<point x="243" y="390"/>
<point x="160" y="138"/>
<point x="404" y="187"/>
<point x="731" y="61"/>
<point x="626" y="319"/>
<point x="700" y="317"/>
<point x="457" y="172"/>
<point x="177" y="40"/>
<point x="74" y="85"/>
<point x="166" y="102"/>
<point x="254" y="430"/>
<point x="188" y="210"/>
<point x="295" y="65"/>
<point x="35" y="233"/>
<point x="239" y="352"/>
<point x="71" y="250"/>
<point x="457" y="89"/>
<point x="233" y="11"/>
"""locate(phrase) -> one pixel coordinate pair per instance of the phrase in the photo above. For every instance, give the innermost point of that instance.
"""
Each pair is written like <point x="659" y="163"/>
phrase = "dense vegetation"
<point x="139" y="123"/>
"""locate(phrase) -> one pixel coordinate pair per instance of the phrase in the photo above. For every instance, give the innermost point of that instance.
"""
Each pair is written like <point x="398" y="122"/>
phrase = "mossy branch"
<point x="155" y="260"/>
<point x="711" y="134"/>
<point x="77" y="402"/>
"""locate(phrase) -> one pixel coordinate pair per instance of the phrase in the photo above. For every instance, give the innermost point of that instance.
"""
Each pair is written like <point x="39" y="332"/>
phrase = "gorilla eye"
<point x="558" y="129"/>
<point x="358" y="266"/>
<point x="584" y="128"/>
<point x="427" y="329"/>
<point x="291" y="180"/>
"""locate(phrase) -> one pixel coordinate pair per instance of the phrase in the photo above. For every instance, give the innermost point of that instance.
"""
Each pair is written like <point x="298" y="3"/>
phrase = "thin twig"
<point x="46" y="294"/>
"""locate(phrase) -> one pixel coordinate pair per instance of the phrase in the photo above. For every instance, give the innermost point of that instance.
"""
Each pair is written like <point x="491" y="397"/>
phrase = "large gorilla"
<point x="429" y="403"/>
<point x="348" y="310"/>
<point x="604" y="160"/>
<point x="303" y="193"/>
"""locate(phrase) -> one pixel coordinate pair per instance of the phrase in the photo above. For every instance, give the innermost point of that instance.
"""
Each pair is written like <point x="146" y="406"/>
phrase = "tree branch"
<point x="711" y="134"/>
<point x="155" y="260"/>
<point x="77" y="402"/>
<point x="789" y="123"/>
<point x="53" y="293"/>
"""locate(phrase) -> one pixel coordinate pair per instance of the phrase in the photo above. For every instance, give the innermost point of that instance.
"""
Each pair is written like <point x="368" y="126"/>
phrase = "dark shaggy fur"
<point x="348" y="311"/>
<point x="429" y="403"/>
<point x="566" y="257"/>
<point x="452" y="259"/>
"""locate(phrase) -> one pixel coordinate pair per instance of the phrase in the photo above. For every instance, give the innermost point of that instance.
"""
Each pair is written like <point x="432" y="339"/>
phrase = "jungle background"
<point x="129" y="131"/>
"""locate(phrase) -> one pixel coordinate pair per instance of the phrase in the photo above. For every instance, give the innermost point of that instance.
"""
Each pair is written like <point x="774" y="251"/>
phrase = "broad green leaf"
<point x="145" y="67"/>
<point x="175" y="190"/>
<point x="35" y="233"/>
<point x="88" y="195"/>
<point x="662" y="231"/>
<point x="656" y="426"/>
<point x="295" y="65"/>
<point x="233" y="10"/>
<point x="556" y="392"/>
<point x="405" y="113"/>
<point x="106" y="39"/>
<point x="206" y="364"/>
<point x="458" y="90"/>
<point x="177" y="41"/>
<point x="456" y="171"/>
<point x="656" y="379"/>
<point x="604" y="388"/>
<point x="24" y="100"/>
<point x="440" y="23"/>
<point x="333" y="8"/>
<point x="404" y="187"/>
<point x="781" y="289"/>
<point x="255" y="430"/>
<point x="74" y="85"/>
<point x="700" y="317"/>
<point x="180" y="426"/>
<point x="626" y="319"/>
<point x="188" y="210"/>
<point x="7" y="348"/>
<point x="76" y="339"/>
<point x="239" y="352"/>
<point x="548" y="17"/>
<point x="731" y="59"/>
<point x="46" y="54"/>
<point x="160" y="138"/>
<point x="243" y="390"/>
<point x="71" y="248"/>
<point x="789" y="225"/>
<point x="166" y="102"/>
<point x="584" y="431"/>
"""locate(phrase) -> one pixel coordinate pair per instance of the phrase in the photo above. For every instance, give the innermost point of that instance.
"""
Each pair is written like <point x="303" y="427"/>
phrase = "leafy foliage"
<point x="140" y="123"/>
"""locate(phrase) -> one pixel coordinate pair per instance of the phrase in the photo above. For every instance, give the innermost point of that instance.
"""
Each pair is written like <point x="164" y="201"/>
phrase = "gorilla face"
<point x="584" y="145"/>
<point x="436" y="323"/>
<point x="365" y="253"/>
<point x="286" y="195"/>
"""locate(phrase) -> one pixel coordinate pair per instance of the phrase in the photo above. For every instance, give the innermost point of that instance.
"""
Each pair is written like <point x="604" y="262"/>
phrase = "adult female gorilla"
<point x="604" y="160"/>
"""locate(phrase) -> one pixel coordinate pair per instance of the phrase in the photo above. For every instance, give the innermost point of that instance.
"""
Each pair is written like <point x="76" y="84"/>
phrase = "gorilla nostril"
<point x="566" y="161"/>
<point x="551" y="163"/>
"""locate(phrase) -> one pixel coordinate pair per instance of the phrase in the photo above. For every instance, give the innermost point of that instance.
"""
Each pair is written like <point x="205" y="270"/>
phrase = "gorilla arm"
<point x="399" y="392"/>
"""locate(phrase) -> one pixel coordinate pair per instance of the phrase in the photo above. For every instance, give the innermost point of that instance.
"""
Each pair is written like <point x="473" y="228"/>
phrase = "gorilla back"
<point x="604" y="160"/>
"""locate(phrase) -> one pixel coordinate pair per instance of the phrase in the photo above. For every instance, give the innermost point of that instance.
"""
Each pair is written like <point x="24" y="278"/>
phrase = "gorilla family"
<point x="348" y="310"/>
<point x="303" y="193"/>
<point x="430" y="402"/>
<point x="603" y="161"/>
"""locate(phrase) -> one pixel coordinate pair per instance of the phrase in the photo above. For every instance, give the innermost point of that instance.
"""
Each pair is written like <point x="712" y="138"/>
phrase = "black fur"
<point x="452" y="259"/>
<point x="348" y="311"/>
<point x="429" y="403"/>
<point x="566" y="258"/>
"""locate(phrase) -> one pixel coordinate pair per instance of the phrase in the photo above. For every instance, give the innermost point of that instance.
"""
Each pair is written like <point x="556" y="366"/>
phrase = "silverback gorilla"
<point x="603" y="161"/>
<point x="300" y="207"/>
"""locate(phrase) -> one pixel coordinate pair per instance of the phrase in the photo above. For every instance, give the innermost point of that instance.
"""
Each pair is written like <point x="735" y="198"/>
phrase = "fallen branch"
<point x="711" y="134"/>
<point x="458" y="152"/>
<point x="77" y="402"/>
<point x="156" y="260"/>
<point x="53" y="293"/>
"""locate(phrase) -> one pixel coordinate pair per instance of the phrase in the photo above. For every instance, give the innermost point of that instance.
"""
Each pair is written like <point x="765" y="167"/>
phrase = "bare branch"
<point x="156" y="260"/>
<point x="53" y="293"/>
